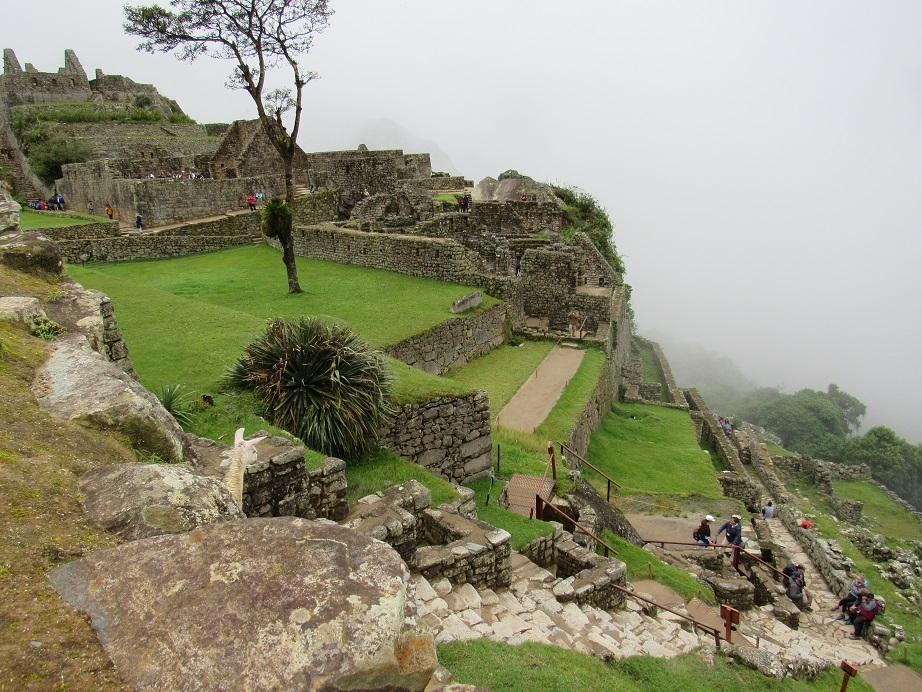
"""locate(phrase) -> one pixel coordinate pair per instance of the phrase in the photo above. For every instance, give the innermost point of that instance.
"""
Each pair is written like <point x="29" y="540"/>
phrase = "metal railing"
<point x="611" y="481"/>
<point x="738" y="551"/>
<point x="541" y="503"/>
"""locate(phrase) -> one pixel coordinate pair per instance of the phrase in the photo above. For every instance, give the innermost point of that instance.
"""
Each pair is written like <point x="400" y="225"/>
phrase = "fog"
<point x="762" y="162"/>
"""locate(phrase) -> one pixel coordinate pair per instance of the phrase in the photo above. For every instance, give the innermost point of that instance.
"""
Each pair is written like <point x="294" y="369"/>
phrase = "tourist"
<point x="702" y="534"/>
<point x="864" y="613"/>
<point x="259" y="197"/>
<point x="851" y="598"/>
<point x="251" y="202"/>
<point x="137" y="222"/>
<point x="792" y="571"/>
<point x="797" y="592"/>
<point x="734" y="530"/>
<point x="752" y="506"/>
<point x="573" y="320"/>
<point x="768" y="511"/>
<point x="110" y="212"/>
<point x="90" y="210"/>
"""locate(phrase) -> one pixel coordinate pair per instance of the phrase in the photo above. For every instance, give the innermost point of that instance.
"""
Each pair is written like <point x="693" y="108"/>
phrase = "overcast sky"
<point x="762" y="162"/>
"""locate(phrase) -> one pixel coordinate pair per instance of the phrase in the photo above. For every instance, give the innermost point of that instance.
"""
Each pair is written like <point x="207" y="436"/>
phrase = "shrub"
<point x="320" y="382"/>
<point x="46" y="158"/>
<point x="46" y="328"/>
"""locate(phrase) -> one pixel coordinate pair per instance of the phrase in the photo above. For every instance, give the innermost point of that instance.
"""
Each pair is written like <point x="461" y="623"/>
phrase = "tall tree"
<point x="852" y="408"/>
<point x="258" y="35"/>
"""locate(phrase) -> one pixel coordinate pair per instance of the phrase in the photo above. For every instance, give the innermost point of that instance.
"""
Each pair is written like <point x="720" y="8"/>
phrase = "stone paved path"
<point x="529" y="611"/>
<point x="531" y="404"/>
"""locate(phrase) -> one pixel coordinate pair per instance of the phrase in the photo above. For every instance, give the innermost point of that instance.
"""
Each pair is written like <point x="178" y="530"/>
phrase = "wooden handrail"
<point x="540" y="502"/>
<point x="703" y="625"/>
<point x="737" y="551"/>
<point x="611" y="481"/>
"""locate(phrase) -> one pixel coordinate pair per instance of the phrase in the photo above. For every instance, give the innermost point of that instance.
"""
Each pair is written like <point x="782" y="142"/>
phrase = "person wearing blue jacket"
<point x="734" y="530"/>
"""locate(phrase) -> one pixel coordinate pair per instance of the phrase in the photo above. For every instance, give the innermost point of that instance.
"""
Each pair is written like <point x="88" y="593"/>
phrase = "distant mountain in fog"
<point x="384" y="133"/>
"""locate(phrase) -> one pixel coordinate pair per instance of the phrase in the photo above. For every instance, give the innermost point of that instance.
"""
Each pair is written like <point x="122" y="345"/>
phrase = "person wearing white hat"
<point x="702" y="534"/>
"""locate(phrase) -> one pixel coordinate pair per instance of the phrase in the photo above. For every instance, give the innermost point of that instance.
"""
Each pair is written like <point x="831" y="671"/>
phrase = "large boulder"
<point x="9" y="212"/>
<point x="258" y="604"/>
<point x="30" y="251"/>
<point x="21" y="310"/>
<point x="142" y="500"/>
<point x="78" y="384"/>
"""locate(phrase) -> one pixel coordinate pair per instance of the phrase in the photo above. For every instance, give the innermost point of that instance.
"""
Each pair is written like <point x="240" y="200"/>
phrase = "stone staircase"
<point x="22" y="184"/>
<point x="529" y="611"/>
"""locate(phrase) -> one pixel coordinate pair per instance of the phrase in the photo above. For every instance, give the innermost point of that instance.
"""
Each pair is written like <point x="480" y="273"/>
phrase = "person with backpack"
<point x="797" y="592"/>
<point x="702" y="532"/>
<point x="852" y="597"/>
<point x="864" y="613"/>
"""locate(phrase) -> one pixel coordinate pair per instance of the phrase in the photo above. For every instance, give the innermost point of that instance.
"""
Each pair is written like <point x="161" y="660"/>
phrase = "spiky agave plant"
<point x="320" y="382"/>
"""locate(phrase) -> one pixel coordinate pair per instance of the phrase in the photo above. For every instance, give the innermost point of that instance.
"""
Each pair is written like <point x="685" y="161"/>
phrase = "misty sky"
<point x="762" y="162"/>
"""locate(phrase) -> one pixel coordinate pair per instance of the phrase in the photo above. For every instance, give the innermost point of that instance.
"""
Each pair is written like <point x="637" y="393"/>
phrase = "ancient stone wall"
<point x="548" y="285"/>
<point x="426" y="257"/>
<point x="392" y="212"/>
<point x="765" y="469"/>
<point x="93" y="229"/>
<point x="467" y="552"/>
<point x="362" y="172"/>
<point x="159" y="200"/>
<point x="713" y="434"/>
<point x="280" y="486"/>
<point x="587" y="578"/>
<point x="674" y="393"/>
<point x="246" y="224"/>
<point x="453" y="343"/>
<point x="520" y="218"/>
<point x="451" y="437"/>
<point x="594" y="269"/>
<point x="599" y="404"/>
<point x="454" y="182"/>
<point x="736" y="485"/>
<point x="68" y="84"/>
<point x="143" y="247"/>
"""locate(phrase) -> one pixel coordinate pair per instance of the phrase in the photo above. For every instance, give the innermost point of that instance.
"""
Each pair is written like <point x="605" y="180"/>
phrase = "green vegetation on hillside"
<point x="586" y="215"/>
<point x="651" y="449"/>
<point x="382" y="469"/>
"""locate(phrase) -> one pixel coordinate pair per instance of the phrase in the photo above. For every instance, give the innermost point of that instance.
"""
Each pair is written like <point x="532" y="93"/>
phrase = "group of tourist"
<point x="465" y="203"/>
<point x="181" y="175"/>
<point x="767" y="512"/>
<point x="54" y="203"/>
<point x="726" y="426"/>
<point x="859" y="606"/>
<point x="733" y="530"/>
<point x="7" y="152"/>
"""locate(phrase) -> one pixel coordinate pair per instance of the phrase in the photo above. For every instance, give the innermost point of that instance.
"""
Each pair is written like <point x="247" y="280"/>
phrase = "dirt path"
<point x="534" y="401"/>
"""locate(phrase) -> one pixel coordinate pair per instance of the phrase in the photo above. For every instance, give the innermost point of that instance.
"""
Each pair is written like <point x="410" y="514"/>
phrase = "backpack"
<point x="696" y="534"/>
<point x="881" y="605"/>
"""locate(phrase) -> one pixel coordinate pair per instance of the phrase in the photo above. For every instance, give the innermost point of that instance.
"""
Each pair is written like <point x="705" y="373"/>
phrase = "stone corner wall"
<point x="453" y="343"/>
<point x="600" y="401"/>
<point x="711" y="432"/>
<point x="586" y="577"/>
<point x="449" y="436"/>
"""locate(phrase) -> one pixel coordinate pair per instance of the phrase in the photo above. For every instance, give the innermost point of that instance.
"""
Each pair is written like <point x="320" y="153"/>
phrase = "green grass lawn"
<point x="534" y="667"/>
<point x="651" y="449"/>
<point x="651" y="370"/>
<point x="383" y="469"/>
<point x="188" y="319"/>
<point x="503" y="371"/>
<point x="880" y="513"/>
<point x="30" y="220"/>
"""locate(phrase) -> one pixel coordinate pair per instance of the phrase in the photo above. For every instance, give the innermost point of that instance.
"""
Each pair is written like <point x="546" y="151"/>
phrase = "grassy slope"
<point x="30" y="220"/>
<point x="532" y="667"/>
<point x="651" y="449"/>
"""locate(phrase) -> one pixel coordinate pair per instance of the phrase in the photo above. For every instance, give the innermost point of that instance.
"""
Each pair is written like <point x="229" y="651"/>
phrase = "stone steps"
<point x="22" y="185"/>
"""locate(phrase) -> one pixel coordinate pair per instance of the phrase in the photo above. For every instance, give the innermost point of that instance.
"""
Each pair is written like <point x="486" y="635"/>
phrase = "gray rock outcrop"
<point x="142" y="500"/>
<point x="29" y="251"/>
<point x="21" y="310"/>
<point x="78" y="384"/>
<point x="9" y="212"/>
<point x="258" y="604"/>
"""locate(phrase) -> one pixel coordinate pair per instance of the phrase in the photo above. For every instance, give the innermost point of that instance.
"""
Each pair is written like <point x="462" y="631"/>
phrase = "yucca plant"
<point x="320" y="382"/>
<point x="178" y="402"/>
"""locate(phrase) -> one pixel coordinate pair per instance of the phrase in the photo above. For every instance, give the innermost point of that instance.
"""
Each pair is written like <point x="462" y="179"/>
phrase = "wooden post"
<point x="550" y="450"/>
<point x="539" y="507"/>
<point x="849" y="671"/>
<point x="731" y="616"/>
<point x="497" y="458"/>
<point x="650" y="569"/>
<point x="608" y="494"/>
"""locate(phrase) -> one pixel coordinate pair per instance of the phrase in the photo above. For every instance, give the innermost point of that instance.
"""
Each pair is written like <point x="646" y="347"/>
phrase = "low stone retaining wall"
<point x="442" y="182"/>
<point x="765" y="469"/>
<point x="587" y="578"/>
<point x="453" y="343"/>
<point x="392" y="516"/>
<point x="713" y="434"/>
<point x="736" y="485"/>
<point x="599" y="404"/>
<point x="463" y="551"/>
<point x="143" y="247"/>
<point x="245" y="224"/>
<point x="95" y="229"/>
<point x="449" y="436"/>
<point x="279" y="486"/>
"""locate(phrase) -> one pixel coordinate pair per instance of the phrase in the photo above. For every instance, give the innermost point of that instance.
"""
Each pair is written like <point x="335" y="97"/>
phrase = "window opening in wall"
<point x="54" y="82"/>
<point x="34" y="82"/>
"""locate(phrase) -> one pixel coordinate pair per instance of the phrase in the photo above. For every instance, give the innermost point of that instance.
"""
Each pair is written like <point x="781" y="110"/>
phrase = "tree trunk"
<point x="287" y="240"/>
